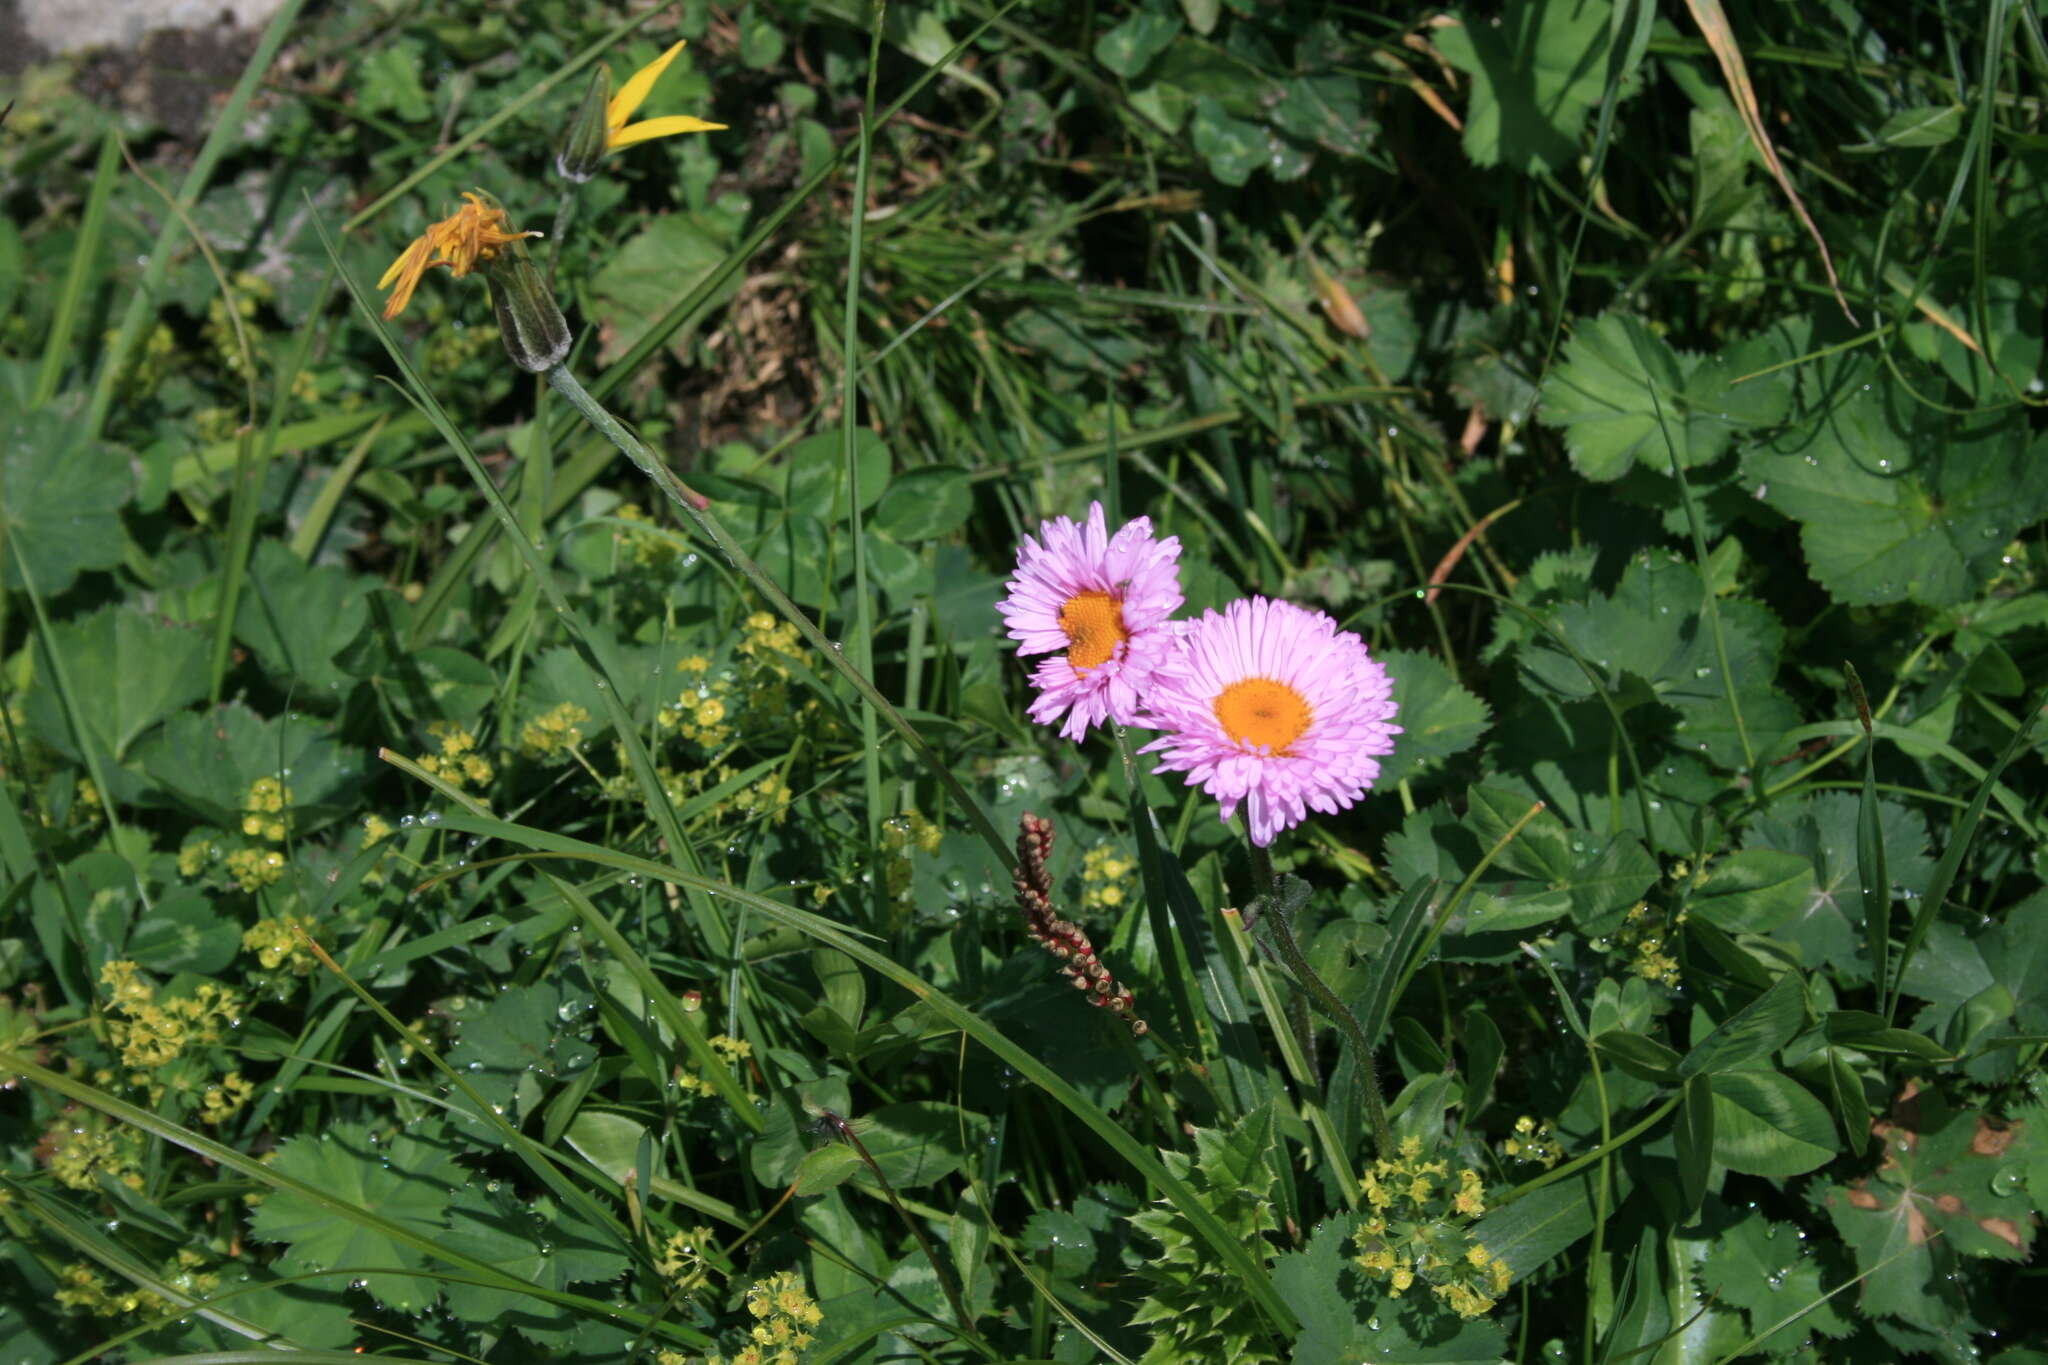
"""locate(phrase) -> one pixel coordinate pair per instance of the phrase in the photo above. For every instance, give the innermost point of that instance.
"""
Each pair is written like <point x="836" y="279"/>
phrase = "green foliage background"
<point x="450" y="912"/>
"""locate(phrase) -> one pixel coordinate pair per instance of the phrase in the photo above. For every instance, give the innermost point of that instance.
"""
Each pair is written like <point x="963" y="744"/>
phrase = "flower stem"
<point x="1278" y="904"/>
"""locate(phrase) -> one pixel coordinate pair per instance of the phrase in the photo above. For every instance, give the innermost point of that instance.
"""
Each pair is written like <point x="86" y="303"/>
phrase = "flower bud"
<point x="535" y="333"/>
<point x="584" y="145"/>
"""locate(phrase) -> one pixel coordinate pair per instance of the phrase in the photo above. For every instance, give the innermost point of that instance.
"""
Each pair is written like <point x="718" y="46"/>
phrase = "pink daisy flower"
<point x="1271" y="705"/>
<point x="1098" y="604"/>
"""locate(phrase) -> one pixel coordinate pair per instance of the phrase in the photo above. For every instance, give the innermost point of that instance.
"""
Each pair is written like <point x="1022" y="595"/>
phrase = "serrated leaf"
<point x="299" y="618"/>
<point x="1623" y="397"/>
<point x="405" y="1180"/>
<point x="1438" y="717"/>
<point x="127" y="673"/>
<point x="1892" y="513"/>
<point x="1822" y="830"/>
<point x="1768" y="1271"/>
<point x="528" y="1038"/>
<point x="60" y="500"/>
<point x="536" y="1240"/>
<point x="206" y="761"/>
<point x="1536" y="73"/>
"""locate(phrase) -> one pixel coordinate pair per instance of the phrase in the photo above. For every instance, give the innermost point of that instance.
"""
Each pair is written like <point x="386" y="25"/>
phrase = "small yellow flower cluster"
<point x="458" y="763"/>
<point x="1533" y="1142"/>
<point x="222" y="1102"/>
<point x="646" y="548"/>
<point x="1105" y="877"/>
<point x="730" y="1048"/>
<point x="155" y="1034"/>
<point x="768" y="799"/>
<point x="770" y="642"/>
<point x="85" y="808"/>
<point x="784" y="1316"/>
<point x="255" y="868"/>
<point x="77" y="1156"/>
<point x="903" y="837"/>
<point x="554" y="732"/>
<point x="263" y="809"/>
<point x="250" y="291"/>
<point x="682" y="1261"/>
<point x="276" y="943"/>
<point x="1645" y="939"/>
<point x="1418" y="1228"/>
<point x="700" y="713"/>
<point x="80" y="1287"/>
<point x="195" y="855"/>
<point x="376" y="829"/>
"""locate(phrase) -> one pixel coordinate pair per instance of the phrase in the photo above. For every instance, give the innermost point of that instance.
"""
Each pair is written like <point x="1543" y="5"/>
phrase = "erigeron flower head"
<point x="1269" y="704"/>
<point x="1099" y="606"/>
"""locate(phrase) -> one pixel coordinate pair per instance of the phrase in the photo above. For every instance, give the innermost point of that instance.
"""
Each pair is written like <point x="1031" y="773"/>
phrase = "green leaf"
<point x="532" y="1239"/>
<point x="1130" y="47"/>
<point x="1639" y="1054"/>
<point x="1752" y="1033"/>
<point x="1528" y="1232"/>
<point x="1768" y="1124"/>
<point x="299" y="618"/>
<point x="1438" y="717"/>
<point x="387" y="80"/>
<point x="656" y="268"/>
<point x="1822" y="830"/>
<point x="1722" y="154"/>
<point x="404" y="1179"/>
<point x="1867" y="1032"/>
<point x="1956" y="1190"/>
<point x="1330" y="112"/>
<point x="1768" y="1271"/>
<point x="1752" y="892"/>
<point x="817" y="474"/>
<point x="60" y="500"/>
<point x="1232" y="147"/>
<point x="1694" y="1139"/>
<point x="919" y="1142"/>
<point x="525" y="1040"/>
<point x="924" y="504"/>
<point x="127" y="673"/>
<point x="1928" y="125"/>
<point x="1649" y="642"/>
<point x="184" y="933"/>
<point x="206" y="761"/>
<point x="1623" y="397"/>
<point x="1339" y="1326"/>
<point x="1536" y="73"/>
<point x="1892" y="511"/>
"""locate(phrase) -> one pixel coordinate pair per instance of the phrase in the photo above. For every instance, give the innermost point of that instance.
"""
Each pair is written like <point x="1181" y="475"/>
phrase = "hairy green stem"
<point x="1277" y="906"/>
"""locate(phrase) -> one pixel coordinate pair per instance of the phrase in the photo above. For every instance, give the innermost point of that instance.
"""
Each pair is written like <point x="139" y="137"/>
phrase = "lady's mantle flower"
<point x="475" y="234"/>
<point x="1099" y="605"/>
<point x="633" y="94"/>
<point x="1270" y="704"/>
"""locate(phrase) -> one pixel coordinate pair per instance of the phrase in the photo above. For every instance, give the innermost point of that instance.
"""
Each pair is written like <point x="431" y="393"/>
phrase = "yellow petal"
<point x="635" y="91"/>
<point x="660" y="127"/>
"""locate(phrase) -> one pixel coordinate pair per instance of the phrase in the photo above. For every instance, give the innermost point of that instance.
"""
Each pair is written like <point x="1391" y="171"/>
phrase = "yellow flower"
<point x="633" y="94"/>
<point x="462" y="242"/>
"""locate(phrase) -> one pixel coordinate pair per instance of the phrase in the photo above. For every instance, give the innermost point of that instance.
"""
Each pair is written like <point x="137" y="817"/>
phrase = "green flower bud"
<point x="585" y="144"/>
<point x="535" y="333"/>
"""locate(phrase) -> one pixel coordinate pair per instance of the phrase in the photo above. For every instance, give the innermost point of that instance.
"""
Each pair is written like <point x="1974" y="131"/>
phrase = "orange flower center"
<point x="1262" y="713"/>
<point x="1094" y="623"/>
